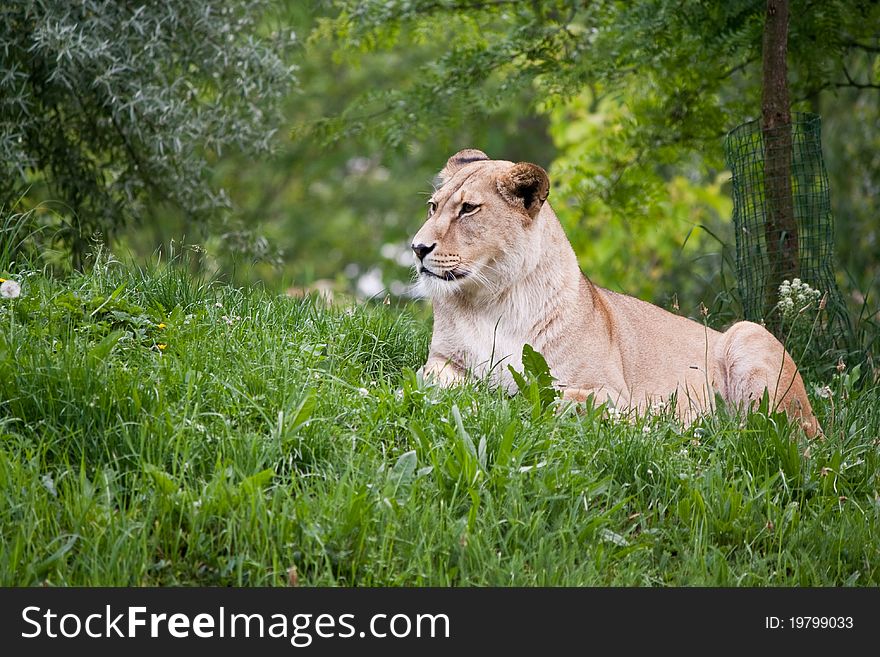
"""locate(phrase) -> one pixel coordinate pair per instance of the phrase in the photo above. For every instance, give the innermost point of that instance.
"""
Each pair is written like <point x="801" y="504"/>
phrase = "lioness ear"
<point x="525" y="185"/>
<point x="457" y="161"/>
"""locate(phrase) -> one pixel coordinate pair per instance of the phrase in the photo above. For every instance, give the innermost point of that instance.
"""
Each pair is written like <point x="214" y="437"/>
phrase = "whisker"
<point x="494" y="289"/>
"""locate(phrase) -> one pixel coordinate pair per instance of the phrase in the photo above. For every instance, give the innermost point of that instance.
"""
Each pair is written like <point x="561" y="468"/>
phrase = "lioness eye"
<point x="467" y="208"/>
<point x="432" y="207"/>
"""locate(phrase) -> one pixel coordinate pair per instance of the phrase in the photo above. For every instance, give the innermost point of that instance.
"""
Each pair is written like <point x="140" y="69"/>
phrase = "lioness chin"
<point x="501" y="273"/>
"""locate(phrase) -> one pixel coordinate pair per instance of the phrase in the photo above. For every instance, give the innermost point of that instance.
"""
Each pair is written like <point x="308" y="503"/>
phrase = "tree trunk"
<point x="780" y="229"/>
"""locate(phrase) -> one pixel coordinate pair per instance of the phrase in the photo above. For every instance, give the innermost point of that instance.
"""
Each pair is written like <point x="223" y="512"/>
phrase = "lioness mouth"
<point x="446" y="276"/>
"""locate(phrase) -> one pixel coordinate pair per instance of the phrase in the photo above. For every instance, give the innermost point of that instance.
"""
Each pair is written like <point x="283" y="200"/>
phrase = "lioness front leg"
<point x="443" y="371"/>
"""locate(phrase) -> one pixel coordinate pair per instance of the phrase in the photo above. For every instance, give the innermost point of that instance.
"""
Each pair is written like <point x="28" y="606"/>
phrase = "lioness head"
<point x="479" y="234"/>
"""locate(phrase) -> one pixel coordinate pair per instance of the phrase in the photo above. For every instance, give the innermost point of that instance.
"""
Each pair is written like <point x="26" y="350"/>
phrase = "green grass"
<point x="270" y="432"/>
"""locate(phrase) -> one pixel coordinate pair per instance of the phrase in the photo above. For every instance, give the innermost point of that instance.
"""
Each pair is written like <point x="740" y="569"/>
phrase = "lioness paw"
<point x="442" y="373"/>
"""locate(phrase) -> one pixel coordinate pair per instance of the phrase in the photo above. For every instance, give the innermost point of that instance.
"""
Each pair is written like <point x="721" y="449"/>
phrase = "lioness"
<point x="501" y="273"/>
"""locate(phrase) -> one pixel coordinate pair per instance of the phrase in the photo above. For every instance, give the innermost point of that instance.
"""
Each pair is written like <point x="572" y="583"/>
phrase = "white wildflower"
<point x="796" y="297"/>
<point x="10" y="290"/>
<point x="825" y="392"/>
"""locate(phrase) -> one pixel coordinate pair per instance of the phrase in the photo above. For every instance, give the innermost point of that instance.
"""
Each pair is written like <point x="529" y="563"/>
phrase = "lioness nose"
<point x="423" y="249"/>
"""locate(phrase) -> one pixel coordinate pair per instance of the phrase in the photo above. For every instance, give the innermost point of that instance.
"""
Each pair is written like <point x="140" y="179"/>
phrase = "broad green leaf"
<point x="304" y="410"/>
<point x="462" y="432"/>
<point x="163" y="481"/>
<point x="257" y="481"/>
<point x="536" y="381"/>
<point x="101" y="350"/>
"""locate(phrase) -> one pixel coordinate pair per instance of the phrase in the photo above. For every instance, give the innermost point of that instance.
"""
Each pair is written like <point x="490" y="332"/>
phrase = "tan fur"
<point x="505" y="275"/>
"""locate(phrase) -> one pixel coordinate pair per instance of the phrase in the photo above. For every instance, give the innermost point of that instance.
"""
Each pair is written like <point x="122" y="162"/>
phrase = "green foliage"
<point x="16" y="233"/>
<point x="272" y="432"/>
<point x="109" y="105"/>
<point x="642" y="224"/>
<point x="535" y="382"/>
<point x="850" y="146"/>
<point x="697" y="68"/>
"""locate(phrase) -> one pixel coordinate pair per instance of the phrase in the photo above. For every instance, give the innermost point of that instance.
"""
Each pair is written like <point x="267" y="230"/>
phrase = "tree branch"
<point x="850" y="82"/>
<point x="739" y="67"/>
<point x="861" y="46"/>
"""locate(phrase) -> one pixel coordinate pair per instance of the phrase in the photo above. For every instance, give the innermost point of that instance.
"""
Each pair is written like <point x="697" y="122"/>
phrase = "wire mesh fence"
<point x="785" y="231"/>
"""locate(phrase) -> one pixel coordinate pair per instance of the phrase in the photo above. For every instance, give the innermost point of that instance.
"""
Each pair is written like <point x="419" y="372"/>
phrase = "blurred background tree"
<point x="625" y="103"/>
<point x="115" y="109"/>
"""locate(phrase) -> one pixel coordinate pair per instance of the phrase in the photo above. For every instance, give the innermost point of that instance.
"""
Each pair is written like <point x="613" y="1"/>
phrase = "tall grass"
<point x="15" y="230"/>
<point x="160" y="429"/>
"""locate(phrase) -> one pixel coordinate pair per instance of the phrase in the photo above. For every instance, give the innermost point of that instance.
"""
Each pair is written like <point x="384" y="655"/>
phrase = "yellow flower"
<point x="161" y="346"/>
<point x="161" y="325"/>
<point x="2" y="280"/>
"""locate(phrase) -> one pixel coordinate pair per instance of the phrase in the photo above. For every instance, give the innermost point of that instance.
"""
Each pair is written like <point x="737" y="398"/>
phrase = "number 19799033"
<point x="809" y="622"/>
